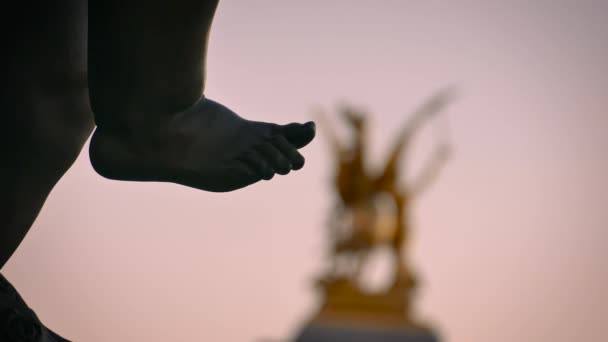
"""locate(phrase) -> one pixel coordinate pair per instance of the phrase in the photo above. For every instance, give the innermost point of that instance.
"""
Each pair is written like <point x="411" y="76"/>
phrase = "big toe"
<point x="298" y="134"/>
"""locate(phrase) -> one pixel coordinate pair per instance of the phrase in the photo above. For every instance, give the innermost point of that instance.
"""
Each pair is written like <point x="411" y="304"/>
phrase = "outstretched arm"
<point x="430" y="172"/>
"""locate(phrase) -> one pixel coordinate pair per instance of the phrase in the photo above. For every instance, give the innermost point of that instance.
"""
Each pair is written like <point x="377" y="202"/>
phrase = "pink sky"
<point x="510" y="243"/>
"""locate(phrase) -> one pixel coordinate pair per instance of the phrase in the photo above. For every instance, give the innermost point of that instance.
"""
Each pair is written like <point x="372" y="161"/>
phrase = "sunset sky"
<point x="510" y="243"/>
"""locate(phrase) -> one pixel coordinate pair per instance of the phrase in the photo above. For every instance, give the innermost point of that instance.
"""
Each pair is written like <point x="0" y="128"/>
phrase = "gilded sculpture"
<point x="372" y="212"/>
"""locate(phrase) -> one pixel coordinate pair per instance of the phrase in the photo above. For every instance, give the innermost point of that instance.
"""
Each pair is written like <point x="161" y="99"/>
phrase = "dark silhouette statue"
<point x="134" y="71"/>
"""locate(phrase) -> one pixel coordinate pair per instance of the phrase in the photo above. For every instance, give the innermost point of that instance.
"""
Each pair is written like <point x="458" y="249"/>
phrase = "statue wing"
<point x="431" y="170"/>
<point x="429" y="108"/>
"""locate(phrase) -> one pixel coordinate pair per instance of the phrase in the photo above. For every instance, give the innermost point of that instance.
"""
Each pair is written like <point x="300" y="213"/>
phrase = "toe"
<point x="289" y="151"/>
<point x="298" y="134"/>
<point x="258" y="164"/>
<point x="275" y="158"/>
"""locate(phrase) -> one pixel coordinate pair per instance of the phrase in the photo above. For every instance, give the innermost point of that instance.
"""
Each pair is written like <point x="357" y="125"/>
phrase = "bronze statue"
<point x="360" y="222"/>
<point x="136" y="71"/>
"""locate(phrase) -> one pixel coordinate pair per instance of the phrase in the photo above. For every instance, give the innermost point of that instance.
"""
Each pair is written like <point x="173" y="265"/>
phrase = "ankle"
<point x="148" y="115"/>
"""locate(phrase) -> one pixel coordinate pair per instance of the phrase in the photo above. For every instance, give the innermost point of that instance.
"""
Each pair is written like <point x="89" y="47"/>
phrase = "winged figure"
<point x="359" y="222"/>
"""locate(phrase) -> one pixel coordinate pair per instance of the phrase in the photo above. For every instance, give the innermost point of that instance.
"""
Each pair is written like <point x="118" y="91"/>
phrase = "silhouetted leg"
<point x="45" y="110"/>
<point x="146" y="73"/>
<point x="45" y="121"/>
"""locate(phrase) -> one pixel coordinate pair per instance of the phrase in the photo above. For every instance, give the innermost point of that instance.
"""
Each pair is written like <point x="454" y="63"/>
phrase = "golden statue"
<point x="371" y="213"/>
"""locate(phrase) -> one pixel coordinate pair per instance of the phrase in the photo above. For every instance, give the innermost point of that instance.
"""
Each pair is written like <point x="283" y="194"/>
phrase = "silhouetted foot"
<point x="207" y="147"/>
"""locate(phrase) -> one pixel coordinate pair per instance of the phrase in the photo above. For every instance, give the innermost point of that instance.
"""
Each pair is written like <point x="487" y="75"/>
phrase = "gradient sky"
<point x="510" y="242"/>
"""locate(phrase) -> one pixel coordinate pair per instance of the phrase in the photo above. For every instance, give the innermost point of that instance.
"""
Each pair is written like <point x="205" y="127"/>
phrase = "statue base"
<point x="348" y="332"/>
<point x="347" y="314"/>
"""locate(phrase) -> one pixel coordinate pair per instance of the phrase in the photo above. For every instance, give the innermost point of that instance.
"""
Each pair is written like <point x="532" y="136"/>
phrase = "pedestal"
<point x="349" y="315"/>
<point x="328" y="332"/>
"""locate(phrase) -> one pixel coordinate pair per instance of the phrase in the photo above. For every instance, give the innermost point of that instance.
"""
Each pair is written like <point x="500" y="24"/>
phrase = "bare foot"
<point x="207" y="146"/>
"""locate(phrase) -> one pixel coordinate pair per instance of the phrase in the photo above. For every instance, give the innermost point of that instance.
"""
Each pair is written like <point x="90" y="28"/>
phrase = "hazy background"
<point x="510" y="243"/>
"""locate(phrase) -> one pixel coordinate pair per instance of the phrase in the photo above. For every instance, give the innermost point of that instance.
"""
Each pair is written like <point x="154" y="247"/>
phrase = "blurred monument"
<point x="371" y="215"/>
